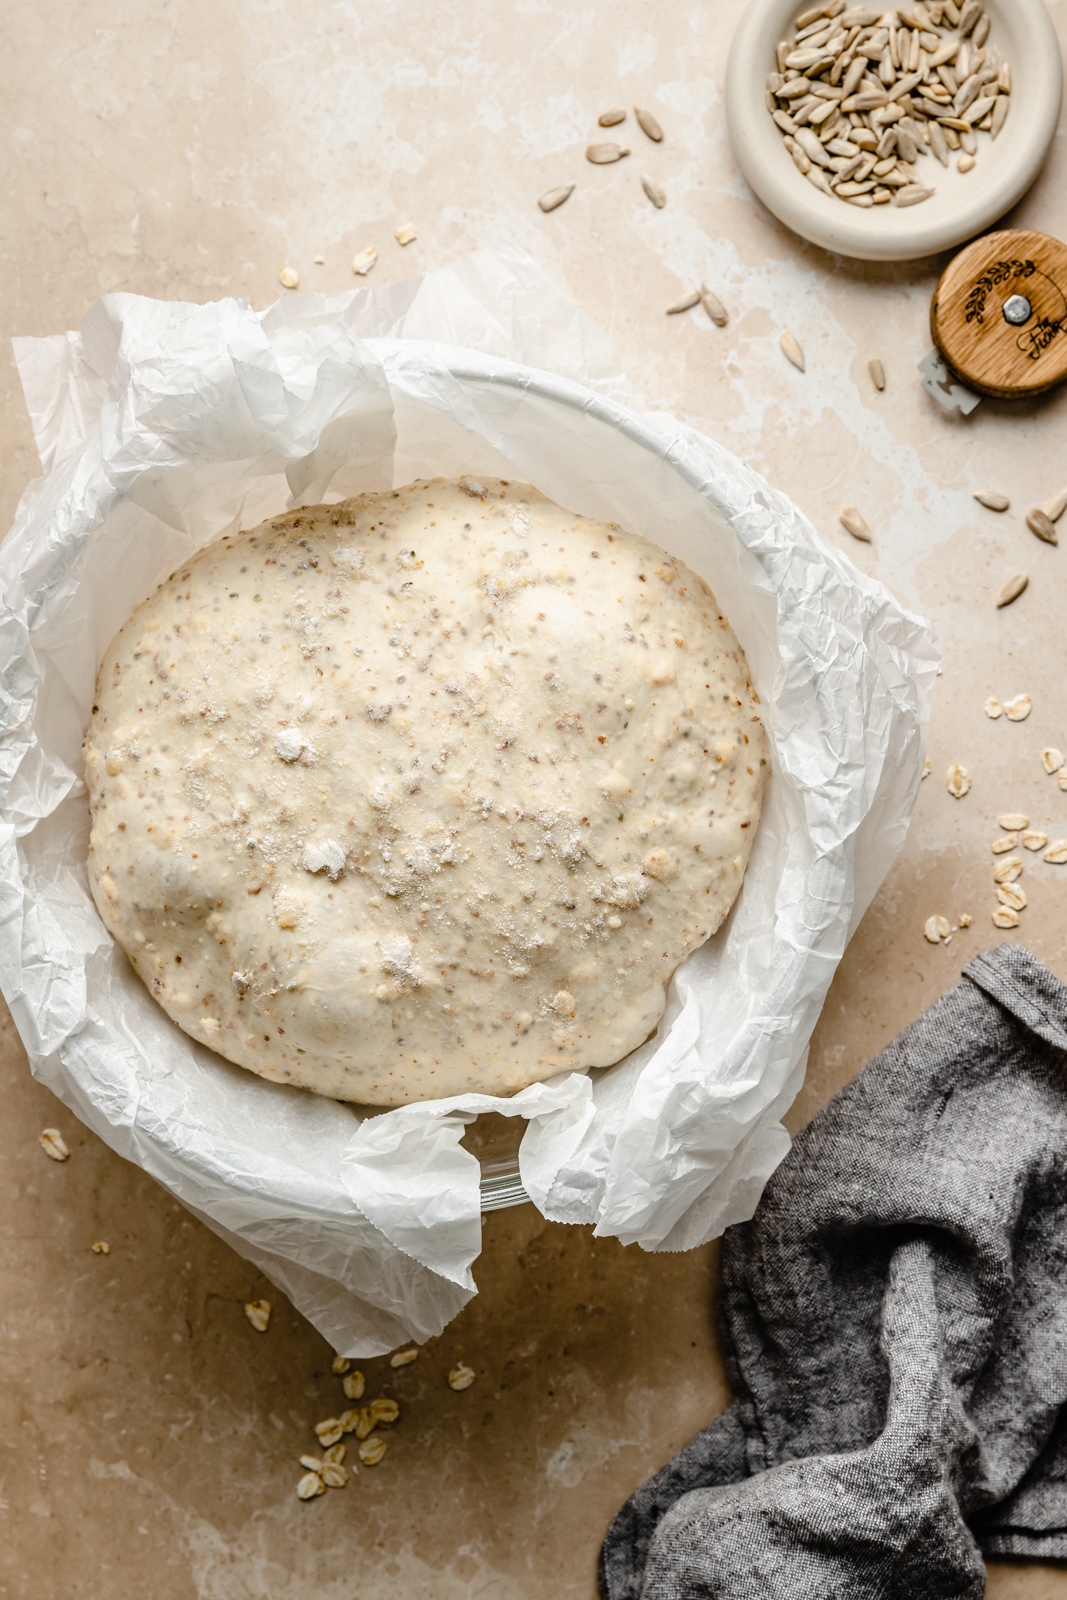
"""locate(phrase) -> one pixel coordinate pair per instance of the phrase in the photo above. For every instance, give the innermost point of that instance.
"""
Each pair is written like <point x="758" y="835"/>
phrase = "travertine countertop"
<point x="149" y="1438"/>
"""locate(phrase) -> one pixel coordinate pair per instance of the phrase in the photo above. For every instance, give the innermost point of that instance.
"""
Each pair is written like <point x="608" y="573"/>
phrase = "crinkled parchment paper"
<point x="161" y="427"/>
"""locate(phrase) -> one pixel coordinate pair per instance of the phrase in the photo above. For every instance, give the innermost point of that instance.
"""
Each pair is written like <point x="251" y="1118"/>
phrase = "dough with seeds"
<point x="424" y="792"/>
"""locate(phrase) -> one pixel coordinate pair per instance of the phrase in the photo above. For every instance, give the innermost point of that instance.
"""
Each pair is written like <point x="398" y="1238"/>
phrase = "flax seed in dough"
<point x="423" y="792"/>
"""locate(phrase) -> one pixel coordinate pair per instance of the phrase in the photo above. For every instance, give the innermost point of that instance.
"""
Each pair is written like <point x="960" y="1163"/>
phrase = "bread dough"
<point x="424" y="792"/>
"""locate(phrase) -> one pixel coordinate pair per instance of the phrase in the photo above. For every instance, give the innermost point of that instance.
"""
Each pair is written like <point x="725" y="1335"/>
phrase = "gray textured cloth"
<point x="895" y="1319"/>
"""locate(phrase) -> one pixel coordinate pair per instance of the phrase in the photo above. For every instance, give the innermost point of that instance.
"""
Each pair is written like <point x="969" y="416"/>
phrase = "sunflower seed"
<point x="1012" y="589"/>
<point x="648" y="124"/>
<point x="1013" y="895"/>
<point x="713" y="306"/>
<point x="601" y="155"/>
<point x="686" y="303"/>
<point x="53" y="1144"/>
<point x="288" y="277"/>
<point x="1055" y="507"/>
<point x="334" y="1477"/>
<point x="258" y="1314"/>
<point x="993" y="708"/>
<point x="1001" y="107"/>
<point x="992" y="501"/>
<point x="1007" y="871"/>
<point x="364" y="260"/>
<point x="353" y="1386"/>
<point x="654" y="192"/>
<point x="555" y="197"/>
<point x="936" y="928"/>
<point x="1019" y="709"/>
<point x="101" y="1248"/>
<point x="1005" y="917"/>
<point x="608" y="119"/>
<point x="1052" y="759"/>
<point x="1056" y="854"/>
<point x="965" y="163"/>
<point x="1007" y="842"/>
<point x="461" y="1376"/>
<point x="957" y="781"/>
<point x="1013" y="821"/>
<point x="981" y="32"/>
<point x="938" y="143"/>
<point x="854" y="523"/>
<point x="407" y="233"/>
<point x="911" y="194"/>
<point x="792" y="350"/>
<point x="1041" y="523"/>
<point x="969" y="15"/>
<point x="309" y="1486"/>
<point x="371" y="1451"/>
<point x="330" y="1431"/>
<point x="877" y="372"/>
<point x="403" y="1358"/>
<point x="1034" y="841"/>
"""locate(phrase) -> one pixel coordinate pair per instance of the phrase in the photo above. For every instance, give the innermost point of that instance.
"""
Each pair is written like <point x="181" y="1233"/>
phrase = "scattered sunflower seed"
<point x="334" y="1477"/>
<point x="1005" y="917"/>
<point x="1012" y="589"/>
<point x="993" y="708"/>
<point x="602" y="155"/>
<point x="288" y="277"/>
<point x="407" y="233"/>
<point x="371" y="1451"/>
<point x="258" y="1314"/>
<point x="1052" y="759"/>
<point x="340" y="1364"/>
<point x="936" y="928"/>
<point x="713" y="306"/>
<point x="403" y="1358"/>
<point x="1019" y="709"/>
<point x="1013" y="822"/>
<point x="1061" y="778"/>
<point x="53" y="1144"/>
<point x="1035" y="841"/>
<point x="320" y="261"/>
<point x="792" y="350"/>
<point x="991" y="501"/>
<point x="957" y="780"/>
<point x="965" y="919"/>
<point x="1056" y="854"/>
<point x="877" y="372"/>
<point x="329" y="1431"/>
<point x="608" y="119"/>
<point x="555" y="197"/>
<point x="353" y="1386"/>
<point x="653" y="191"/>
<point x="1055" y="507"/>
<point x="101" y="1248"/>
<point x="309" y="1486"/>
<point x="461" y="1376"/>
<point x="1040" y="523"/>
<point x="686" y="303"/>
<point x="854" y="523"/>
<point x="1007" y="871"/>
<point x="648" y="124"/>
<point x="1006" y="842"/>
<point x="1013" y="895"/>
<point x="364" y="260"/>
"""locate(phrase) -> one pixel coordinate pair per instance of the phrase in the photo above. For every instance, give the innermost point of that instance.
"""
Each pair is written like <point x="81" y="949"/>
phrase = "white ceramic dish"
<point x="965" y="203"/>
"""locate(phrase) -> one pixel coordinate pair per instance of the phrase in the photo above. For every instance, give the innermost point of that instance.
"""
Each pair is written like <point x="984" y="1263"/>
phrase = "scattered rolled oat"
<point x="609" y="119"/>
<point x="957" y="780"/>
<point x="312" y="1463"/>
<point x="364" y="260"/>
<point x="334" y="1477"/>
<point x="258" y="1314"/>
<point x="1007" y="871"/>
<point x="653" y="191"/>
<point x="1012" y="589"/>
<point x="1005" y="917"/>
<point x="792" y="350"/>
<point x="349" y="1421"/>
<point x="993" y="708"/>
<point x="1001" y="846"/>
<point x="1035" y="840"/>
<point x="1019" y="709"/>
<point x="371" y="1451"/>
<point x="965" y="919"/>
<point x="288" y="277"/>
<point x="936" y="928"/>
<point x="461" y="1376"/>
<point x="993" y="502"/>
<point x="602" y="155"/>
<point x="1052" y="759"/>
<point x="1056" y="854"/>
<point x="688" y="300"/>
<point x="53" y="1144"/>
<point x="1042" y="525"/>
<point x="366" y="1422"/>
<point x="340" y="1364"/>
<point x="713" y="306"/>
<point x="334" y="1455"/>
<point x="407" y="233"/>
<point x="555" y="197"/>
<point x="309" y="1486"/>
<point x="384" y="1411"/>
<point x="1011" y="894"/>
<point x="877" y="372"/>
<point x="1013" y="822"/>
<point x="403" y="1358"/>
<point x="101" y="1248"/>
<point x="648" y="124"/>
<point x="855" y="523"/>
<point x="329" y="1431"/>
<point x="353" y="1386"/>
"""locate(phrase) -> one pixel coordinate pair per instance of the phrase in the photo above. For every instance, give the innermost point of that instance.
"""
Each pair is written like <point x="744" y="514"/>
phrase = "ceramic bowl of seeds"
<point x="891" y="135"/>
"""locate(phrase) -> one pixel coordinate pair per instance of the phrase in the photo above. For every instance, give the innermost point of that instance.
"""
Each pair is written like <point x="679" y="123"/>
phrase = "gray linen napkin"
<point x="895" y="1318"/>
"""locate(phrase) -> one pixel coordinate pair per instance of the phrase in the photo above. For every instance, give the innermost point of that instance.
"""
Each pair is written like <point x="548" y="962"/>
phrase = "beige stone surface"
<point x="148" y="1436"/>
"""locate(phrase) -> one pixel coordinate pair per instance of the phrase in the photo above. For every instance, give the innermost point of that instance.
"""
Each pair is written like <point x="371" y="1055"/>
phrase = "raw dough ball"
<point x="424" y="792"/>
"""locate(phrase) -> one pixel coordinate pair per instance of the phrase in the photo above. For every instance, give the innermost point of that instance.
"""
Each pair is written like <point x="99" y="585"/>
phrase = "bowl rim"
<point x="863" y="234"/>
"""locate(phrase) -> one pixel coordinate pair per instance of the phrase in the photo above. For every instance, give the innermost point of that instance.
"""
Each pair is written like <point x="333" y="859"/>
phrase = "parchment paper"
<point x="162" y="426"/>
